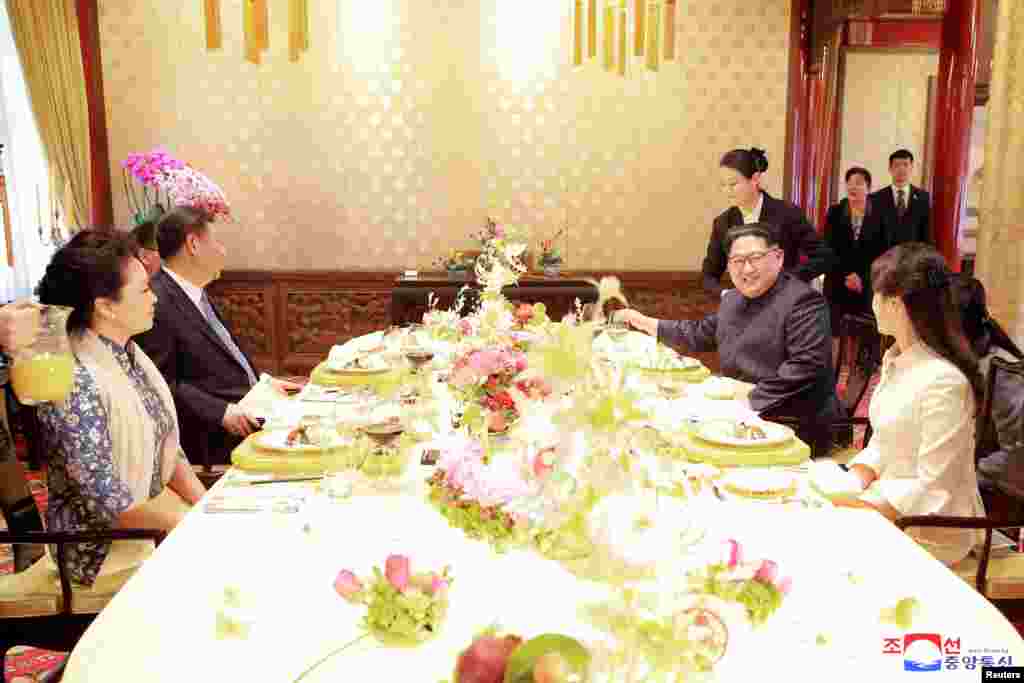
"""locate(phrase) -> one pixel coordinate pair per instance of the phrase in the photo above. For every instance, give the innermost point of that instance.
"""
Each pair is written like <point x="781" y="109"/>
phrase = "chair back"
<point x="17" y="504"/>
<point x="1001" y="417"/>
<point x="863" y="329"/>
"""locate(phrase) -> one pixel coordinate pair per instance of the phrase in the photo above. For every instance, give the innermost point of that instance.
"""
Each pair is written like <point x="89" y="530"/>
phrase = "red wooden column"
<point x="797" y="100"/>
<point x="958" y="64"/>
<point x="99" y="155"/>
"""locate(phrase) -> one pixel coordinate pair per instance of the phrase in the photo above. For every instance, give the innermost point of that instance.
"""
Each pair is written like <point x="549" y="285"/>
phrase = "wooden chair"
<point x="55" y="619"/>
<point x="56" y="616"/>
<point x="1004" y="497"/>
<point x="998" y="578"/>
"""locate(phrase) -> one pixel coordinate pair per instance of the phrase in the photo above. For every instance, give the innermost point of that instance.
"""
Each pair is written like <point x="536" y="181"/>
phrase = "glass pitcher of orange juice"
<point x="45" y="371"/>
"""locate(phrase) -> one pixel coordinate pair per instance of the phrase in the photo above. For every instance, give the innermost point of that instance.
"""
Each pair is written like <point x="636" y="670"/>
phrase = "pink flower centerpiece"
<point x="473" y="495"/>
<point x="483" y="379"/>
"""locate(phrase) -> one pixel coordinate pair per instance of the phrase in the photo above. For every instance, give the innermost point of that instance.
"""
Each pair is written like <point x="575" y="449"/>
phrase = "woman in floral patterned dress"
<point x="114" y="455"/>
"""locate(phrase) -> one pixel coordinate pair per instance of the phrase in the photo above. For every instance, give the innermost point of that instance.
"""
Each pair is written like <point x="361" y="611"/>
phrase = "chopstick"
<point x="285" y="480"/>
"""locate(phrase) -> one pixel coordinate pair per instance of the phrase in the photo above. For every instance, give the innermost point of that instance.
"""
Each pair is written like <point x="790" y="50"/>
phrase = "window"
<point x="30" y="209"/>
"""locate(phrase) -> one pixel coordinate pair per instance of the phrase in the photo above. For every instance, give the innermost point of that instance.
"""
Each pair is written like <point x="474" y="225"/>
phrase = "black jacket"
<point x="916" y="225"/>
<point x="780" y="342"/>
<point x="202" y="373"/>
<point x="796" y="235"/>
<point x="852" y="255"/>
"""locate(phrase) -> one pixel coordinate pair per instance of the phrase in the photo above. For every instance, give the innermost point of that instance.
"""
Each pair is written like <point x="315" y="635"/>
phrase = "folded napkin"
<point x="344" y="354"/>
<point x="833" y="482"/>
<point x="260" y="400"/>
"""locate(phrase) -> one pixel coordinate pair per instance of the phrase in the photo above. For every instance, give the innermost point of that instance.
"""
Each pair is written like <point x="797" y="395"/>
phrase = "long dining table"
<point x="267" y="556"/>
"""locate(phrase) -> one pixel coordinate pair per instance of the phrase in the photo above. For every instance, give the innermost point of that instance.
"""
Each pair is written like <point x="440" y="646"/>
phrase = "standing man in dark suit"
<point x="205" y="368"/>
<point x="904" y="211"/>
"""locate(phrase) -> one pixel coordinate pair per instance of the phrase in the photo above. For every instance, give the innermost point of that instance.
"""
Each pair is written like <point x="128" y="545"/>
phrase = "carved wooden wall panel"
<point x="317" y="320"/>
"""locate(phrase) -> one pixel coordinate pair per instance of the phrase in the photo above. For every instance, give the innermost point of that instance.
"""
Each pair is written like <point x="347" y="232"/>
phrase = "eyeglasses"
<point x="754" y="259"/>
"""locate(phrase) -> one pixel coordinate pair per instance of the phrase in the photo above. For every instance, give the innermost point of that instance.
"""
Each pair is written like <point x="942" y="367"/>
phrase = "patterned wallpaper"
<point x="388" y="141"/>
<point x="885" y="107"/>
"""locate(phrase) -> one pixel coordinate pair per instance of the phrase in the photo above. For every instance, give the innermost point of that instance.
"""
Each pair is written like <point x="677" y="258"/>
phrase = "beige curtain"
<point x="1000" y="259"/>
<point x="46" y="35"/>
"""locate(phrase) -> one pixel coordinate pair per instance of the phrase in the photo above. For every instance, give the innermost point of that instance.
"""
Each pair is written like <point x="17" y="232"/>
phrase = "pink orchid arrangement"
<point x="188" y="187"/>
<point x="157" y="171"/>
<point x="148" y="169"/>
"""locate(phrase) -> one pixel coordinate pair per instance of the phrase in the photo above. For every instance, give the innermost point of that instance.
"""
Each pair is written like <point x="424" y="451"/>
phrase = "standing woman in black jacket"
<point x="740" y="172"/>
<point x="853" y="234"/>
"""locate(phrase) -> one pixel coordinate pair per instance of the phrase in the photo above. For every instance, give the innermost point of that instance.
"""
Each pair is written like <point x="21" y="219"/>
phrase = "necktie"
<point x="901" y="203"/>
<point x="225" y="337"/>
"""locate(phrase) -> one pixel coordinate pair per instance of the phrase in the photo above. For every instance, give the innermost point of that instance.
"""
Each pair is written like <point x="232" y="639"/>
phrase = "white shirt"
<point x="922" y="448"/>
<point x="755" y="215"/>
<point x="195" y="294"/>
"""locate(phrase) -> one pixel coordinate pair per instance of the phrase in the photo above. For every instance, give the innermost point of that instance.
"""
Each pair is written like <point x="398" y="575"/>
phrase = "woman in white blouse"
<point x="920" y="460"/>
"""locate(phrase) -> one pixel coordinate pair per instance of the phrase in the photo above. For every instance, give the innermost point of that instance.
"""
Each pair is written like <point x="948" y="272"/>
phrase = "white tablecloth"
<point x="847" y="565"/>
<point x="161" y="626"/>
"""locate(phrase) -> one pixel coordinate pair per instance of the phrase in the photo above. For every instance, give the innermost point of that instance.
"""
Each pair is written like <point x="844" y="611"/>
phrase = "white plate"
<point x="720" y="432"/>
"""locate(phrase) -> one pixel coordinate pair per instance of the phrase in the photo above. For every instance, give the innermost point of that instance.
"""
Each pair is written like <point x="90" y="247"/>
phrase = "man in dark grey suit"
<point x="771" y="331"/>
<point x="904" y="211"/>
<point x="207" y="371"/>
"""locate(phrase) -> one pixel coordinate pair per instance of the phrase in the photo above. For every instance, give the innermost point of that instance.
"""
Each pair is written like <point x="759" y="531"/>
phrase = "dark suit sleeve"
<point x="819" y="256"/>
<point x="692" y="335"/>
<point x="161" y="345"/>
<point x="715" y="261"/>
<point x="808" y="354"/>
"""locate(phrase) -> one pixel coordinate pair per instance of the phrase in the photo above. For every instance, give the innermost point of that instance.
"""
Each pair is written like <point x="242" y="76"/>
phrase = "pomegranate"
<point x="484" y="661"/>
